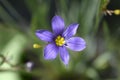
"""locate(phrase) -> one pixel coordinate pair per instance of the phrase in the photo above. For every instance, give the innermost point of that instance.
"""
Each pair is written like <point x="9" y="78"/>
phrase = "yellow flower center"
<point x="59" y="41"/>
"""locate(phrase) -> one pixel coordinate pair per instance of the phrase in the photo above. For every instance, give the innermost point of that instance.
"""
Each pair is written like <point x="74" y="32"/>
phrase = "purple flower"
<point x="60" y="39"/>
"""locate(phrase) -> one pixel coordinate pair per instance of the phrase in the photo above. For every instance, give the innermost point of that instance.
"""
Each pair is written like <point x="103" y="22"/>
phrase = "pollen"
<point x="60" y="41"/>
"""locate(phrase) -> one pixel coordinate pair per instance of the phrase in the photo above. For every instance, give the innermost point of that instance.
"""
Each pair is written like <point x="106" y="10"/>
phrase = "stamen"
<point x="59" y="41"/>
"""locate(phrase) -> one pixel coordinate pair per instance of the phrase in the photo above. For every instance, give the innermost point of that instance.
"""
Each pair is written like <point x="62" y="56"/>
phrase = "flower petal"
<point x="44" y="35"/>
<point x="50" y="51"/>
<point x="64" y="55"/>
<point x="76" y="44"/>
<point x="70" y="31"/>
<point x="57" y="24"/>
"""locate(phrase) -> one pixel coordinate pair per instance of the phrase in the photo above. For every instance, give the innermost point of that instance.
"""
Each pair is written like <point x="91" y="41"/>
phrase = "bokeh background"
<point x="19" y="19"/>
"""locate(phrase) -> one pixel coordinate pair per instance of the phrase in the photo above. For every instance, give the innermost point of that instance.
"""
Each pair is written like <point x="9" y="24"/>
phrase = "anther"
<point x="59" y="41"/>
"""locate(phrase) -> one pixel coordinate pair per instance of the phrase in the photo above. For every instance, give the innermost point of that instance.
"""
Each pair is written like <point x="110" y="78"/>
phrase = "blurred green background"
<point x="19" y="19"/>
